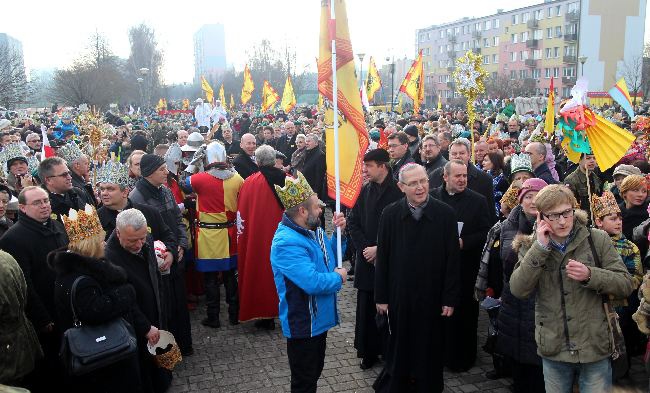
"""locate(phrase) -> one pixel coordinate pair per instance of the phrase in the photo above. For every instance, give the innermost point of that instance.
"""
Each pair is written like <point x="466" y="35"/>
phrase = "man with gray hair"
<point x="131" y="247"/>
<point x="417" y="284"/>
<point x="477" y="180"/>
<point x="258" y="215"/>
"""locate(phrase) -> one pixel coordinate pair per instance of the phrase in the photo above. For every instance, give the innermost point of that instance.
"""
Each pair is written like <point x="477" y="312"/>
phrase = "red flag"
<point x="46" y="149"/>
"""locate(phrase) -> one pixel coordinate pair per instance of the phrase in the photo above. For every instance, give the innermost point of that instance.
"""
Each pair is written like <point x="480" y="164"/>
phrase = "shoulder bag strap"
<point x="596" y="260"/>
<point x="72" y="296"/>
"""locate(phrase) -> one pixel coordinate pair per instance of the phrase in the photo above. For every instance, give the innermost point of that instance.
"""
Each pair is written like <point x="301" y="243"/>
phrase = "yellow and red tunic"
<point x="216" y="232"/>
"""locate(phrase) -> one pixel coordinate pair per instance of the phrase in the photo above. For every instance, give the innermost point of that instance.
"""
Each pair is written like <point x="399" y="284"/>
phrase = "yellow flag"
<point x="207" y="89"/>
<point x="160" y="106"/>
<point x="288" y="97"/>
<point x="413" y="85"/>
<point x="232" y="102"/>
<point x="320" y="102"/>
<point x="222" y="96"/>
<point x="373" y="81"/>
<point x="439" y="101"/>
<point x="549" y="121"/>
<point x="269" y="96"/>
<point x="248" y="86"/>
<point x="353" y="135"/>
<point x="186" y="104"/>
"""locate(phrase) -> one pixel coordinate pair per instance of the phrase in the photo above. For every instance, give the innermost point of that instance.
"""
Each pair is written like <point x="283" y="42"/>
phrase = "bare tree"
<point x="145" y="54"/>
<point x="96" y="78"/>
<point x="14" y="87"/>
<point x="645" y="70"/>
<point x="503" y="86"/>
<point x="632" y="71"/>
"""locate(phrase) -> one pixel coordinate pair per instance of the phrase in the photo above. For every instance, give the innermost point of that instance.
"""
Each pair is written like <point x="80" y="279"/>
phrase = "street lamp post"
<point x="392" y="81"/>
<point x="361" y="56"/>
<point x="145" y="101"/>
<point x="583" y="60"/>
<point x="140" y="81"/>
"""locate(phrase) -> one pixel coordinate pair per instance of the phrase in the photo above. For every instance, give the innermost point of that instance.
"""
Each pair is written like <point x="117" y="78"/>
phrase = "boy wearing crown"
<point x="307" y="278"/>
<point x="607" y="216"/>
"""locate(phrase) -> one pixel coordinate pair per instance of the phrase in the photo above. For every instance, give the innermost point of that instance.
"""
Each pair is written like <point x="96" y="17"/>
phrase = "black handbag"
<point x="620" y="364"/>
<point x="85" y="348"/>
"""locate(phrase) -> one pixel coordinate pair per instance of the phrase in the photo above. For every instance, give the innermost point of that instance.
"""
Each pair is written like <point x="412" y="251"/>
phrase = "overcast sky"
<point x="54" y="33"/>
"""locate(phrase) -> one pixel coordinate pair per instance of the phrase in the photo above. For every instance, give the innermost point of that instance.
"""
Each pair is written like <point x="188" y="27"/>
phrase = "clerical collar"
<point x="417" y="211"/>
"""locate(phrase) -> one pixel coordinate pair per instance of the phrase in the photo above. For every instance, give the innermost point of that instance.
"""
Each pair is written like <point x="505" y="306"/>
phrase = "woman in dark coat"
<point x="516" y="320"/>
<point x="634" y="208"/>
<point x="102" y="295"/>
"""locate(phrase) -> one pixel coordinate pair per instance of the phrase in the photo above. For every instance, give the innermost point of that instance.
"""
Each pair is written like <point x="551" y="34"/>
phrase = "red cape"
<point x="258" y="216"/>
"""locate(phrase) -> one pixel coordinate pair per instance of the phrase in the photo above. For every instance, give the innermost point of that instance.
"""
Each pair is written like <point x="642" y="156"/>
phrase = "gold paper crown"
<point x="294" y="192"/>
<point x="605" y="205"/>
<point x="82" y="224"/>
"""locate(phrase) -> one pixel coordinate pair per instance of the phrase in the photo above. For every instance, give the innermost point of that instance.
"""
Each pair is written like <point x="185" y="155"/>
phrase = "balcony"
<point x="477" y="51"/>
<point x="532" y="43"/>
<point x="451" y="85"/>
<point x="570" y="59"/>
<point x="568" y="80"/>
<point x="532" y="23"/>
<point x="572" y="16"/>
<point x="571" y="37"/>
<point x="530" y="63"/>
<point x="476" y="35"/>
<point x="451" y="54"/>
<point x="451" y="69"/>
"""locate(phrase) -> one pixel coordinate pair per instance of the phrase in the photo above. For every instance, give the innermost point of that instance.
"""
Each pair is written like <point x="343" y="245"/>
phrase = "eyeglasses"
<point x="40" y="202"/>
<point x="394" y="145"/>
<point x="556" y="216"/>
<point x="64" y="175"/>
<point x="415" y="184"/>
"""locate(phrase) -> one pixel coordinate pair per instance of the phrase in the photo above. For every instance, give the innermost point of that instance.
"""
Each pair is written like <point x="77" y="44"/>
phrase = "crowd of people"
<point x="139" y="217"/>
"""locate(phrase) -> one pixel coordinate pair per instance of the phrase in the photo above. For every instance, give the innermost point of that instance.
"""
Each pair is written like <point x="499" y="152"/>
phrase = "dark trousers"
<point x="527" y="378"/>
<point x="460" y="336"/>
<point x="175" y="307"/>
<point x="306" y="361"/>
<point x="213" y="297"/>
<point x="367" y="339"/>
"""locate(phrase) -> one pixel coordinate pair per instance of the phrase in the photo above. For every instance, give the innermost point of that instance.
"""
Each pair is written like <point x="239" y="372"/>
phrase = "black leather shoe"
<point x="267" y="324"/>
<point x="188" y="352"/>
<point x="233" y="321"/>
<point x="213" y="323"/>
<point x="367" y="363"/>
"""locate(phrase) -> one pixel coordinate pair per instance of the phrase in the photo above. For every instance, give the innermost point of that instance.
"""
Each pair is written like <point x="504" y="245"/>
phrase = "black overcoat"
<point x="416" y="273"/>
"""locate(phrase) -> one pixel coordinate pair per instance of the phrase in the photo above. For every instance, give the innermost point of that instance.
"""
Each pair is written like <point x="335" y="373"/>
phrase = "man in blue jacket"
<point x="304" y="264"/>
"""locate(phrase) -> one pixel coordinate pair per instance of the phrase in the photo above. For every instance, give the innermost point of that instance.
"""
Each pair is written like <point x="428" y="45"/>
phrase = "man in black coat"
<point x="363" y="221"/>
<point x="398" y="149"/>
<point x="287" y="142"/>
<point x="150" y="191"/>
<point x="472" y="213"/>
<point x="417" y="284"/>
<point x="131" y="247"/>
<point x="29" y="241"/>
<point x="245" y="162"/>
<point x="431" y="154"/>
<point x="314" y="166"/>
<point x="477" y="181"/>
<point x="57" y="181"/>
<point x="537" y="153"/>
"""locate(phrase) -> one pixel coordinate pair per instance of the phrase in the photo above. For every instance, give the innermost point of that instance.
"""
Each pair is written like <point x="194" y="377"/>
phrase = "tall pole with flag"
<point x="549" y="121"/>
<point x="413" y="84"/>
<point x="346" y="134"/>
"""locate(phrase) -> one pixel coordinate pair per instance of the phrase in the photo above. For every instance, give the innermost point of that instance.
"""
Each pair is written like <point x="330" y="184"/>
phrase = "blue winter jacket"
<point x="65" y="127"/>
<point x="305" y="279"/>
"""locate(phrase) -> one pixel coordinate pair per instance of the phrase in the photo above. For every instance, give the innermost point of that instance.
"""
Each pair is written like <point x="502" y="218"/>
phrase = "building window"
<point x="537" y="54"/>
<point x="442" y="64"/>
<point x="556" y="72"/>
<point x="566" y="91"/>
<point x="515" y="19"/>
<point x="513" y="56"/>
<point x="574" y="7"/>
<point x="536" y="73"/>
<point x="523" y="74"/>
<point x="538" y="35"/>
<point x="486" y="43"/>
<point x="495" y="59"/>
<point x="547" y="73"/>
<point x="548" y="53"/>
<point x="523" y="55"/>
<point x="488" y="24"/>
<point x="486" y="59"/>
<point x="456" y="30"/>
<point x="464" y="45"/>
<point x="569" y="50"/>
<point x="570" y="29"/>
<point x="495" y="40"/>
<point x="496" y="23"/>
<point x="514" y="38"/>
<point x="538" y="14"/>
<point x="422" y="37"/>
<point x="442" y="34"/>
<point x="524" y="17"/>
<point x="442" y="49"/>
<point x="477" y="26"/>
<point x="558" y="10"/>
<point x="513" y="74"/>
<point x="556" y="52"/>
<point x="426" y="51"/>
<point x="549" y="32"/>
<point x="477" y="44"/>
<point x="549" y="12"/>
<point x="569" y="72"/>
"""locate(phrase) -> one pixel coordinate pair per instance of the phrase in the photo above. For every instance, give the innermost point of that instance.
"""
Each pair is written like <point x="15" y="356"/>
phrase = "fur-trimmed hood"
<point x="580" y="218"/>
<point x="67" y="262"/>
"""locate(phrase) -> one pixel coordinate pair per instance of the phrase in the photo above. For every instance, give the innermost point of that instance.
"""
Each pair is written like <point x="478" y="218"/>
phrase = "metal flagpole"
<point x="335" y="120"/>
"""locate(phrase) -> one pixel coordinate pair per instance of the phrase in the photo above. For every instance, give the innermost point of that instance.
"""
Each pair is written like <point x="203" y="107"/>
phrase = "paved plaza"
<point x="244" y="359"/>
